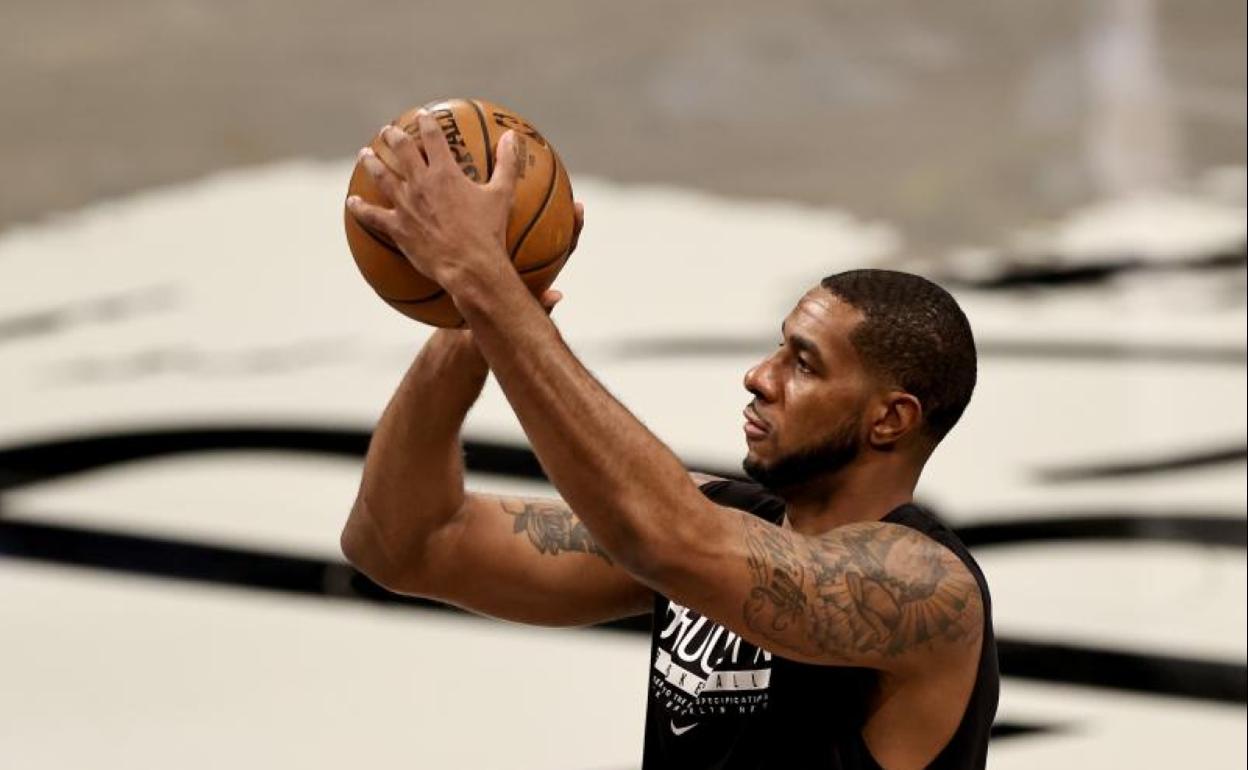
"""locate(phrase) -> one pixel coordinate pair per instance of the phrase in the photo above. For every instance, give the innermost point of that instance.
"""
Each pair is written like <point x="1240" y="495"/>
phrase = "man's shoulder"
<point x="931" y="526"/>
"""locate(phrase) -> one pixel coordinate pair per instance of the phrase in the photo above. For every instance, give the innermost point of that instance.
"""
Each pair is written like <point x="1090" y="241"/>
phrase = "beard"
<point x="798" y="468"/>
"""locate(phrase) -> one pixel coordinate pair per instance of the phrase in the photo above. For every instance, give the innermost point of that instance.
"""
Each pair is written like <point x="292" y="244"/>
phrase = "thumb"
<point x="512" y="153"/>
<point x="549" y="299"/>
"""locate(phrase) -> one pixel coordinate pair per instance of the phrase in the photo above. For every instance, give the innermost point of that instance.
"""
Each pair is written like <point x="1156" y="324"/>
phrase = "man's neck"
<point x="853" y="495"/>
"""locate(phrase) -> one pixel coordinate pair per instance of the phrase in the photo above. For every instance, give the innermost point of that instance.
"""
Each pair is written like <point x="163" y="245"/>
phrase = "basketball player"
<point x="817" y="618"/>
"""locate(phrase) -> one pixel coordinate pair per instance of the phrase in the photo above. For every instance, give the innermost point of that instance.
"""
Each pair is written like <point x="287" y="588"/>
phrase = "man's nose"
<point x="758" y="381"/>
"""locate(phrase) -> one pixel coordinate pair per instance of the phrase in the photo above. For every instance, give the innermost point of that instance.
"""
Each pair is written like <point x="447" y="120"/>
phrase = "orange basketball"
<point x="539" y="228"/>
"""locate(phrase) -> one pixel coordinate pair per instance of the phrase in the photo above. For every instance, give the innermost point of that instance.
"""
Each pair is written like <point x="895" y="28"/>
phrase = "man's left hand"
<point x="446" y="224"/>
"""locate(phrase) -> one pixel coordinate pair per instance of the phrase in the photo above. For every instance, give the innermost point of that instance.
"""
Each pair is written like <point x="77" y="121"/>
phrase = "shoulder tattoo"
<point x="864" y="590"/>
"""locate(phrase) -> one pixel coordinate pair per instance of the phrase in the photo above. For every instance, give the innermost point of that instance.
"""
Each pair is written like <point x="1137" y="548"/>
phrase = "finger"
<point x="578" y="222"/>
<point x="405" y="149"/>
<point x="375" y="218"/>
<point x="511" y="154"/>
<point x="436" y="148"/>
<point x="386" y="180"/>
<point x="549" y="299"/>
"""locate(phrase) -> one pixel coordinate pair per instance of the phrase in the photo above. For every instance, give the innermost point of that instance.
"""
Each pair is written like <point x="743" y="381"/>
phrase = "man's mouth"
<point x="755" y="427"/>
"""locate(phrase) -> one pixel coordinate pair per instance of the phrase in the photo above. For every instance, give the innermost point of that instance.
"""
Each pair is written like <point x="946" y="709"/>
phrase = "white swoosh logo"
<point x="682" y="730"/>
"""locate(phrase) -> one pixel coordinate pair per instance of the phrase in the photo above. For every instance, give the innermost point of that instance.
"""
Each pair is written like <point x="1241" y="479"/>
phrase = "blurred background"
<point x="190" y="363"/>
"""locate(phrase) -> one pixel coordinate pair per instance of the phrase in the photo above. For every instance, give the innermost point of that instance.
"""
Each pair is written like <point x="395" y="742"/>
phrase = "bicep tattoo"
<point x="552" y="527"/>
<point x="874" y="590"/>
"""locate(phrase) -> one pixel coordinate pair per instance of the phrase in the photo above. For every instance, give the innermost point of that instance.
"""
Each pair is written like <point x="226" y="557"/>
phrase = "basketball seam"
<point x="485" y="139"/>
<point x="388" y="245"/>
<point x="394" y="250"/>
<point x="463" y="322"/>
<point x="413" y="301"/>
<point x="550" y="194"/>
<point x="549" y="197"/>
<point x="381" y="238"/>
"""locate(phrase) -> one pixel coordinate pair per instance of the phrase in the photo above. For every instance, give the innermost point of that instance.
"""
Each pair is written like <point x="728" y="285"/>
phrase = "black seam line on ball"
<point x="565" y="254"/>
<point x="543" y="266"/>
<point x="550" y="194"/>
<point x="380" y="237"/>
<point x="485" y="140"/>
<point x="439" y="295"/>
<point x="383" y="241"/>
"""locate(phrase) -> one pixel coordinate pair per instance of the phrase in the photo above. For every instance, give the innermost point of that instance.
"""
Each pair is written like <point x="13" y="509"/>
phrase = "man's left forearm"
<point x="626" y="485"/>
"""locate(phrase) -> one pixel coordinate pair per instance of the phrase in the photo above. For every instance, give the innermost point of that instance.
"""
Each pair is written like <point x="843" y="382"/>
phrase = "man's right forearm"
<point x="413" y="479"/>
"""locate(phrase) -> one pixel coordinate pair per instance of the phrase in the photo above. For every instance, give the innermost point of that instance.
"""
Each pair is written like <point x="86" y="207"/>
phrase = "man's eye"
<point x="802" y="367"/>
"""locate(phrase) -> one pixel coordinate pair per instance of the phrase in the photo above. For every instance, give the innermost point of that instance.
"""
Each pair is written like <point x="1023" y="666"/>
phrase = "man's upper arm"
<point x="870" y="594"/>
<point x="529" y="560"/>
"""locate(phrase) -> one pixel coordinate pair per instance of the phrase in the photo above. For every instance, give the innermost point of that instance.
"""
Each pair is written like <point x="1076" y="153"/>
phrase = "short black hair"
<point x="914" y="334"/>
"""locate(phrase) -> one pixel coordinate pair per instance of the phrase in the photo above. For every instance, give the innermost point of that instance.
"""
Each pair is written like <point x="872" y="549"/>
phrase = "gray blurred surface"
<point x="956" y="121"/>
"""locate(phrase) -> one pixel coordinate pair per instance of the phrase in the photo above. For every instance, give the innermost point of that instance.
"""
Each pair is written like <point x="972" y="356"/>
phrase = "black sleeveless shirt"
<point x="717" y="701"/>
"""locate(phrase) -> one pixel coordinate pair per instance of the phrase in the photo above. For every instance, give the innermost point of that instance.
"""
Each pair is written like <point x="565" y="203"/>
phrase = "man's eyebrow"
<point x="805" y="345"/>
<point x="802" y="344"/>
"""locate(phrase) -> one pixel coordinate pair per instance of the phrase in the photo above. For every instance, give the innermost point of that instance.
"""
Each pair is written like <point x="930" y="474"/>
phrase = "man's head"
<point x="871" y="362"/>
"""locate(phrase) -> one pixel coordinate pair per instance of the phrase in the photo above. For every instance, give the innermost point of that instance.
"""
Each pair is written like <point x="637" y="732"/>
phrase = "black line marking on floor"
<point x="1136" y="672"/>
<point x="42" y="461"/>
<point x="1085" y="471"/>
<point x="1058" y="273"/>
<point x="301" y="575"/>
<point x="1227" y="529"/>
<point x="45" y="460"/>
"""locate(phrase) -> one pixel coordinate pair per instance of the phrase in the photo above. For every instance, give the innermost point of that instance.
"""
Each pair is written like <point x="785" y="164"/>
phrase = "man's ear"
<point x="898" y="414"/>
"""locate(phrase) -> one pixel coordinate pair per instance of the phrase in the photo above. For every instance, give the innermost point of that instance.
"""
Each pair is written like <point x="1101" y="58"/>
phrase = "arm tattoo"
<point x="552" y="528"/>
<point x="864" y="590"/>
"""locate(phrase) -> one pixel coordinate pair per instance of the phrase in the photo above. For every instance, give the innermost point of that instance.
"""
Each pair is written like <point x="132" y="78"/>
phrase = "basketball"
<point x="539" y="228"/>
